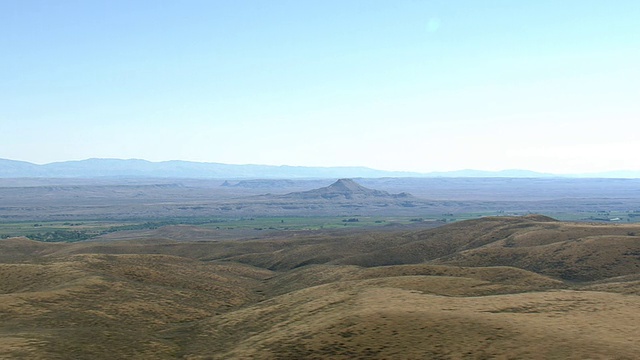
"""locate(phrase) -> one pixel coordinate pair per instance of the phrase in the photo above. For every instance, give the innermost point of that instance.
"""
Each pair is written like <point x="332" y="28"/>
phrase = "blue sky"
<point x="398" y="85"/>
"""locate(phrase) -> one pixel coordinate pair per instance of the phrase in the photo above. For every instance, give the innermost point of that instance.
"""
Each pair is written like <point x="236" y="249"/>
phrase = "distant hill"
<point x="91" y="168"/>
<point x="132" y="168"/>
<point x="345" y="197"/>
<point x="345" y="189"/>
<point x="12" y="168"/>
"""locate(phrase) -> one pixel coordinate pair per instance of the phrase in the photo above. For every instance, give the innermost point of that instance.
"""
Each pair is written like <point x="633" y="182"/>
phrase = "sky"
<point x="550" y="86"/>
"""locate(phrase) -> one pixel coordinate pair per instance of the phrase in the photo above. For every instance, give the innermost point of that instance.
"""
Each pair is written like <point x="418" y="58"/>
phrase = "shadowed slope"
<point x="363" y="320"/>
<point x="570" y="251"/>
<point x="113" y="306"/>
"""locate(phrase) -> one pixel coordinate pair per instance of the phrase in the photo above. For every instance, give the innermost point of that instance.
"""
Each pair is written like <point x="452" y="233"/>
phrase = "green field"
<point x="83" y="230"/>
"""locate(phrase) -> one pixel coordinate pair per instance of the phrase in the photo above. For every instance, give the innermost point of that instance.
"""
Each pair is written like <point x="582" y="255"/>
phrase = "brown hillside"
<point x="571" y="251"/>
<point x="486" y="288"/>
<point x="584" y="259"/>
<point x="364" y="320"/>
<point x="20" y="249"/>
<point x="421" y="277"/>
<point x="113" y="306"/>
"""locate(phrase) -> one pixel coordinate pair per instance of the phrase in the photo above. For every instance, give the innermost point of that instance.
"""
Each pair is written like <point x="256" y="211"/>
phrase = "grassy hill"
<point x="525" y="287"/>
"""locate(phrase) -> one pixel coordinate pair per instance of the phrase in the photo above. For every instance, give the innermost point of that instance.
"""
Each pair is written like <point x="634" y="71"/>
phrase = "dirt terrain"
<point x="503" y="287"/>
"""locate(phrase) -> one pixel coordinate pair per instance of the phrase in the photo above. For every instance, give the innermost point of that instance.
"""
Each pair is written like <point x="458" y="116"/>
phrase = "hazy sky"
<point x="396" y="85"/>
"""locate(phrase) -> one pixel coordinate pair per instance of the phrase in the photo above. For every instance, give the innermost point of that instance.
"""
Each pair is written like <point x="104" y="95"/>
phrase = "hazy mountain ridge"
<point x="186" y="169"/>
<point x="180" y="169"/>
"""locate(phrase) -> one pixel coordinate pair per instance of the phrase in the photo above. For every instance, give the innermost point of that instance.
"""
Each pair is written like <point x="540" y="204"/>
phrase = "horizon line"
<point x="432" y="172"/>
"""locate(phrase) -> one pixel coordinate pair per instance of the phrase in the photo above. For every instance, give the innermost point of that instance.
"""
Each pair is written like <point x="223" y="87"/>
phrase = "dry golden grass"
<point x="584" y="259"/>
<point x="480" y="280"/>
<point x="363" y="320"/>
<point x="489" y="288"/>
<point x="629" y="284"/>
<point x="114" y="306"/>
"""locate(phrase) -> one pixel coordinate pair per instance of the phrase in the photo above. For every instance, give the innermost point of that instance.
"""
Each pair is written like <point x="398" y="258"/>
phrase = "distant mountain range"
<point x="91" y="168"/>
<point x="114" y="168"/>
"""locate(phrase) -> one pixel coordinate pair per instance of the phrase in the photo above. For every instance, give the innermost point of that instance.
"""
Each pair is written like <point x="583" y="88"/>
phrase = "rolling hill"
<point x="502" y="287"/>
